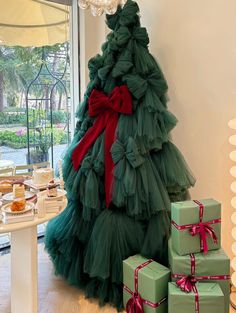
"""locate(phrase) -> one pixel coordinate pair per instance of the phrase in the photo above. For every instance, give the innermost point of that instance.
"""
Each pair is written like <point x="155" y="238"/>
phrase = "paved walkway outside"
<point x="18" y="156"/>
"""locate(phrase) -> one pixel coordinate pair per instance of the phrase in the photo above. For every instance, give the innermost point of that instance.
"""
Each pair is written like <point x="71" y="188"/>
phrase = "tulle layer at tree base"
<point x="89" y="255"/>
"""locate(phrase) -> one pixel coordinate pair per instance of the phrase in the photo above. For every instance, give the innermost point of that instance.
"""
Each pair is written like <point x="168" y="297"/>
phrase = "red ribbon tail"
<point x="89" y="138"/>
<point x="212" y="234"/>
<point x="204" y="244"/>
<point x="109" y="164"/>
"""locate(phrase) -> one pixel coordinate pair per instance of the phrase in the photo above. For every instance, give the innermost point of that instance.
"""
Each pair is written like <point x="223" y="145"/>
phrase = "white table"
<point x="6" y="163"/>
<point x="24" y="263"/>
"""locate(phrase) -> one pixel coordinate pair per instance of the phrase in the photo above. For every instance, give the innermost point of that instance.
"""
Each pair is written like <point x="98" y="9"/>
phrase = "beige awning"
<point x="33" y="23"/>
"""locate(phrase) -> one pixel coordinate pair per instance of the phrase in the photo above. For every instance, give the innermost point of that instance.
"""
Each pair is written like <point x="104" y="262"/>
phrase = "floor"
<point x="55" y="296"/>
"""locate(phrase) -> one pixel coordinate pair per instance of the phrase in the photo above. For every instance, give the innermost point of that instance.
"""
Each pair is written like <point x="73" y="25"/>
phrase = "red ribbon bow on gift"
<point x="135" y="304"/>
<point x="187" y="283"/>
<point x="202" y="229"/>
<point x="106" y="109"/>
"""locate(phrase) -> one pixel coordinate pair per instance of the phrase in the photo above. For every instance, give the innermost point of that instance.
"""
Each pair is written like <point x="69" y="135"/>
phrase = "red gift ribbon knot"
<point x="203" y="229"/>
<point x="187" y="283"/>
<point x="135" y="304"/>
<point x="106" y="109"/>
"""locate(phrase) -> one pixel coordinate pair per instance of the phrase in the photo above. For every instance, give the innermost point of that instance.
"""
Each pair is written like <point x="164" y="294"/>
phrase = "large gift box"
<point x="205" y="298"/>
<point x="196" y="226"/>
<point x="145" y="284"/>
<point x="212" y="267"/>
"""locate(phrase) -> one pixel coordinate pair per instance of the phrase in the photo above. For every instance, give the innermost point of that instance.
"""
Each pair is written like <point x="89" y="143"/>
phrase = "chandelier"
<point x="99" y="6"/>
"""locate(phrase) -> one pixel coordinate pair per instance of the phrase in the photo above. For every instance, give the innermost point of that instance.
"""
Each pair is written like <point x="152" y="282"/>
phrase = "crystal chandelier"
<point x="99" y="6"/>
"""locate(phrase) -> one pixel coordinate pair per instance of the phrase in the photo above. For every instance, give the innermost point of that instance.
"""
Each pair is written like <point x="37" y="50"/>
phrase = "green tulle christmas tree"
<point x="97" y="230"/>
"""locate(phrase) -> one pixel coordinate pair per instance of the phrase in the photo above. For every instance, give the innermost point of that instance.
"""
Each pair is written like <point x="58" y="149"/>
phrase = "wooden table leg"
<point x="24" y="271"/>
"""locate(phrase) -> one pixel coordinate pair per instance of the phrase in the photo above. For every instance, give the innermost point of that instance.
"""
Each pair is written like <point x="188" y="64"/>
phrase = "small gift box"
<point x="145" y="285"/>
<point x="213" y="267"/>
<point x="203" y="298"/>
<point x="196" y="226"/>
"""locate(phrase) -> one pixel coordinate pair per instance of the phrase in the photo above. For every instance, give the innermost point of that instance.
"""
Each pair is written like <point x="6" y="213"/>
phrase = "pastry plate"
<point x="31" y="184"/>
<point x="7" y="208"/>
<point x="60" y="193"/>
<point x="9" y="196"/>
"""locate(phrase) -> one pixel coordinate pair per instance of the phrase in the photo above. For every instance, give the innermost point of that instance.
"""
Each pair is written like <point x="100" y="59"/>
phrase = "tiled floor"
<point x="55" y="296"/>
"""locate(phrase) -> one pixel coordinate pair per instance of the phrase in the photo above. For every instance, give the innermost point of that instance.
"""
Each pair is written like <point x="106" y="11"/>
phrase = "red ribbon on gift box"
<point x="202" y="228"/>
<point x="106" y="109"/>
<point x="135" y="303"/>
<point x="199" y="278"/>
<point x="187" y="283"/>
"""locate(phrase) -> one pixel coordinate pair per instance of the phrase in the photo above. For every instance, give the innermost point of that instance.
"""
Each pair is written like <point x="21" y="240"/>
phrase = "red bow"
<point x="106" y="109"/>
<point x="202" y="229"/>
<point x="135" y="304"/>
<point x="187" y="283"/>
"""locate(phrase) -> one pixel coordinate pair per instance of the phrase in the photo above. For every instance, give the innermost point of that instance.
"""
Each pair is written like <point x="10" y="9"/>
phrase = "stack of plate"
<point x="9" y="216"/>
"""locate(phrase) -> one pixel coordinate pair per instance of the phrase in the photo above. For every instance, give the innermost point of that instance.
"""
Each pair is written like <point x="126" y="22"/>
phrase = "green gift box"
<point x="212" y="267"/>
<point x="151" y="283"/>
<point x="210" y="299"/>
<point x="188" y="229"/>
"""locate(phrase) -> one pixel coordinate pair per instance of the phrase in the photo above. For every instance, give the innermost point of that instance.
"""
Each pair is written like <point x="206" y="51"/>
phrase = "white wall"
<point x="195" y="44"/>
<point x="92" y="35"/>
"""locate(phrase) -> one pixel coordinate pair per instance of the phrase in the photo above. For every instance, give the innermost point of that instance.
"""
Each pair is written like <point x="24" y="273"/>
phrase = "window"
<point x="38" y="96"/>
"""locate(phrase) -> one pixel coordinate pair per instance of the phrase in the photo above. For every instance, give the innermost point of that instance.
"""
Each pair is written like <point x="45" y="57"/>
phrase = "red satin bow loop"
<point x="106" y="109"/>
<point x="135" y="304"/>
<point x="202" y="229"/>
<point x="187" y="283"/>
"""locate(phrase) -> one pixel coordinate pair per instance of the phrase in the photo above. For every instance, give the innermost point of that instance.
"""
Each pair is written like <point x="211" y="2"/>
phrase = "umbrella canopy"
<point x="33" y="23"/>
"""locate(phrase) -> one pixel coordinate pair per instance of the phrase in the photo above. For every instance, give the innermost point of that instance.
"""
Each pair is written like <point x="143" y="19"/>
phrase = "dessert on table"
<point x="42" y="176"/>
<point x="18" y="205"/>
<point x="5" y="186"/>
<point x="18" y="191"/>
<point x="52" y="188"/>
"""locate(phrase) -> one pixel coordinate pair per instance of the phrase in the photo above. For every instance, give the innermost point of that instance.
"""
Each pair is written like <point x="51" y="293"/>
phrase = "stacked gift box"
<point x="145" y="285"/>
<point x="199" y="267"/>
